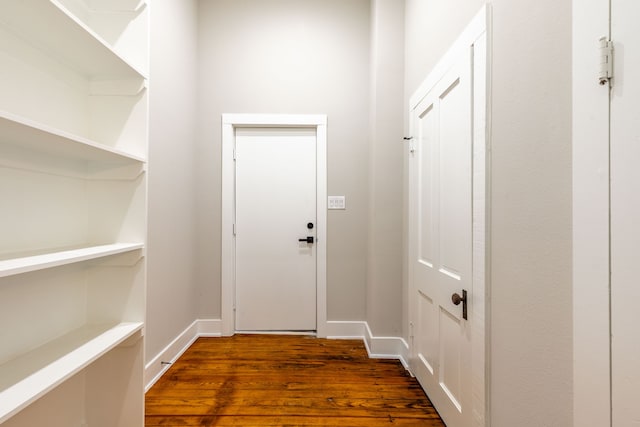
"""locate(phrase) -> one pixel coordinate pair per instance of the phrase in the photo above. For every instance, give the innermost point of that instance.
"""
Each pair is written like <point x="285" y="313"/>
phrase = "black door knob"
<point x="456" y="299"/>
<point x="308" y="239"/>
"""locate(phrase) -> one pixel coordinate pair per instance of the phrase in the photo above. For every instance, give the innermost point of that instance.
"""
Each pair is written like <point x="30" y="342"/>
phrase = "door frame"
<point x="476" y="36"/>
<point x="230" y="122"/>
<point x="591" y="178"/>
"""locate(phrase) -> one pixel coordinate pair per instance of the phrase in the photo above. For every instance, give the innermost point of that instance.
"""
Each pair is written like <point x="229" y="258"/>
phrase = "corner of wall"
<point x="377" y="347"/>
<point x="163" y="360"/>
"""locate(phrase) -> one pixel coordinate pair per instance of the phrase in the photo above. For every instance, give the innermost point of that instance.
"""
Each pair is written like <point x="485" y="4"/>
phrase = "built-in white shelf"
<point x="13" y="266"/>
<point x="73" y="162"/>
<point x="50" y="27"/>
<point x="114" y="6"/>
<point x="27" y="133"/>
<point x="28" y="377"/>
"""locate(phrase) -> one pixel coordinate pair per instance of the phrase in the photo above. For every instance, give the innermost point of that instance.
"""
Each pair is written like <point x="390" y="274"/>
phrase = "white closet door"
<point x="441" y="242"/>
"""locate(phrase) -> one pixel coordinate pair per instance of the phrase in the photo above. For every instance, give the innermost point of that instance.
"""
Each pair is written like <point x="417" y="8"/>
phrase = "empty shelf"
<point x="24" y="132"/>
<point x="28" y="377"/>
<point x="26" y="264"/>
<point x="55" y="31"/>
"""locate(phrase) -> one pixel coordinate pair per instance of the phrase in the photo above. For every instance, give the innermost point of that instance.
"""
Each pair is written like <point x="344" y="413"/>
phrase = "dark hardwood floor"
<point x="267" y="380"/>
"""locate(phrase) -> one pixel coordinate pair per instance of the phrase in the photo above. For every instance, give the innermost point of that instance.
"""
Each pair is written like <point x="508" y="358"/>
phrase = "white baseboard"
<point x="344" y="330"/>
<point x="209" y="327"/>
<point x="377" y="347"/>
<point x="159" y="364"/>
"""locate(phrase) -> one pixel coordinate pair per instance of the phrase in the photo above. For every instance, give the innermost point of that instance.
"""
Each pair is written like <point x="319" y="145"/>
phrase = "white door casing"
<point x="231" y="122"/>
<point x="275" y="202"/>
<point x="447" y="229"/>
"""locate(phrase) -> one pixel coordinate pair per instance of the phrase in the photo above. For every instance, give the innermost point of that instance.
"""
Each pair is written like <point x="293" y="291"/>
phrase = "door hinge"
<point x="234" y="155"/>
<point x="234" y="229"/>
<point x="409" y="139"/>
<point x="605" y="72"/>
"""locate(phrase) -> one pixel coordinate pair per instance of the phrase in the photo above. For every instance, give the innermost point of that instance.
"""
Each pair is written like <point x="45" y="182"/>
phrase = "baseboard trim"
<point x="159" y="364"/>
<point x="209" y="327"/>
<point x="377" y="347"/>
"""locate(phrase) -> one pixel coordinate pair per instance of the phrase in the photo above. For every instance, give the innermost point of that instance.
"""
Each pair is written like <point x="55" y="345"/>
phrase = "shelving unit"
<point x="73" y="149"/>
<point x="31" y="376"/>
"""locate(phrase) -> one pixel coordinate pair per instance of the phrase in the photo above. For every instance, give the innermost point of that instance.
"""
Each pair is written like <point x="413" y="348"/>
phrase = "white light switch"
<point x="337" y="202"/>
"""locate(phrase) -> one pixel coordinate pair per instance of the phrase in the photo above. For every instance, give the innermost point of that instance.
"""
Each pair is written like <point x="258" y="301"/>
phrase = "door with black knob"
<point x="446" y="230"/>
<point x="275" y="229"/>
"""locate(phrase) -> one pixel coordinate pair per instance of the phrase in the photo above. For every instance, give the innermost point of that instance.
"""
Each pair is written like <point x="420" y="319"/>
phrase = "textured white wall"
<point x="171" y="287"/>
<point x="530" y="259"/>
<point x="384" y="260"/>
<point x="293" y="57"/>
<point x="282" y="56"/>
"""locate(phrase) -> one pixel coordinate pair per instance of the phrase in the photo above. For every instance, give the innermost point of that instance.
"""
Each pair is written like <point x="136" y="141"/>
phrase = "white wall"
<point x="384" y="258"/>
<point x="280" y="56"/>
<point x="171" y="287"/>
<point x="294" y="57"/>
<point x="530" y="258"/>
<point x="531" y="264"/>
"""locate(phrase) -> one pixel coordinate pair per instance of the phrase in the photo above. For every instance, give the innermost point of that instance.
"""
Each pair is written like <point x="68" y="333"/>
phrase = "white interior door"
<point x="625" y="213"/>
<point x="447" y="228"/>
<point x="275" y="208"/>
<point x="441" y="241"/>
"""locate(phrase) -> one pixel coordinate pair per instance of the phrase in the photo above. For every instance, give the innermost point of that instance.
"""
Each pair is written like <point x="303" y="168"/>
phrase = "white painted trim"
<point x="229" y="123"/>
<point x="377" y="347"/>
<point x="347" y="329"/>
<point x="199" y="328"/>
<point x="387" y="347"/>
<point x="209" y="327"/>
<point x="228" y="242"/>
<point x="476" y="36"/>
<point x="475" y="28"/>
<point x="321" y="206"/>
<point x="481" y="222"/>
<point x="591" y="322"/>
<point x="275" y="120"/>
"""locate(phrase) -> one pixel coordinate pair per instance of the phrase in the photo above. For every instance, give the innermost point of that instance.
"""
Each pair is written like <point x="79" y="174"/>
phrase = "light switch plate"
<point x="337" y="202"/>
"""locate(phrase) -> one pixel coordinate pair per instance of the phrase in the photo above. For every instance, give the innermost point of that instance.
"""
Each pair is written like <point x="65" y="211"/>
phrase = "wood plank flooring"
<point x="267" y="380"/>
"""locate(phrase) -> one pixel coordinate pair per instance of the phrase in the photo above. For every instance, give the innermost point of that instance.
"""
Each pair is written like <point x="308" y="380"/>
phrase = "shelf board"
<point x="26" y="133"/>
<point x="30" y="376"/>
<point x="113" y="6"/>
<point x="13" y="266"/>
<point x="61" y="35"/>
